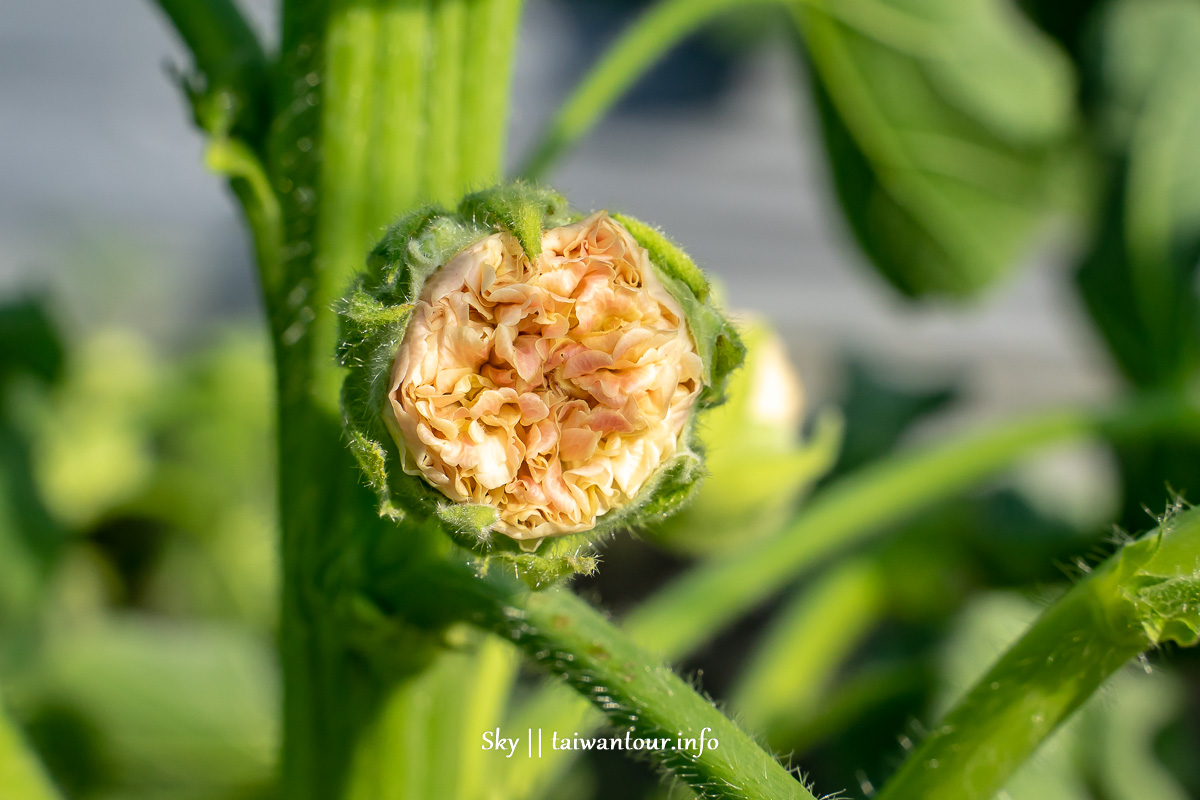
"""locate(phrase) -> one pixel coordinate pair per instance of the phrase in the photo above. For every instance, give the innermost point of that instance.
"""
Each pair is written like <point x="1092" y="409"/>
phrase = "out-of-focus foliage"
<point x="942" y="122"/>
<point x="139" y="509"/>
<point x="1139" y="280"/>
<point x="1138" y="276"/>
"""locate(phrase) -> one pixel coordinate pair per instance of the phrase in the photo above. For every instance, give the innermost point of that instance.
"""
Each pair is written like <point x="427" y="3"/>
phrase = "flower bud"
<point x="518" y="369"/>
<point x="757" y="464"/>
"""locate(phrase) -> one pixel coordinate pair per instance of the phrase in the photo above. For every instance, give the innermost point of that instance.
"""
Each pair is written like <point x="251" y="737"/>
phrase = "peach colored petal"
<point x="553" y="388"/>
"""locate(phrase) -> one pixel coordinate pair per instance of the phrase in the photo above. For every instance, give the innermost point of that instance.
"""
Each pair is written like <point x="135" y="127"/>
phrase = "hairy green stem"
<point x="847" y="513"/>
<point x="681" y="616"/>
<point x="228" y="57"/>
<point x="636" y="693"/>
<point x="1147" y="594"/>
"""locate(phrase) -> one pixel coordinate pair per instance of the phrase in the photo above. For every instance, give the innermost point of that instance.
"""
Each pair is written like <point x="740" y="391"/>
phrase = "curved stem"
<point x="228" y="54"/>
<point x="699" y="604"/>
<point x="808" y="641"/>
<point x="641" y="697"/>
<point x="659" y="29"/>
<point x="846" y="514"/>
<point x="1144" y="596"/>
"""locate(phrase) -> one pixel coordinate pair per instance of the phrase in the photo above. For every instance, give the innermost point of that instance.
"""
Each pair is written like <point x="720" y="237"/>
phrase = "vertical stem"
<point x="443" y="178"/>
<point x="369" y="124"/>
<point x="487" y="75"/>
<point x="400" y="100"/>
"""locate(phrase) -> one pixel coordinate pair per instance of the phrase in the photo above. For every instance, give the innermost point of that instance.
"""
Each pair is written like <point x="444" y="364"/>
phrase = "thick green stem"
<point x="636" y="693"/>
<point x="487" y="76"/>
<point x="1147" y="594"/>
<point x="443" y="180"/>
<point x="370" y="96"/>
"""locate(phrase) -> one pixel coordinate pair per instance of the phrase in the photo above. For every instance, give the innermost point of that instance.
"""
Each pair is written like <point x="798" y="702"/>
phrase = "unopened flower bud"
<point x="517" y="369"/>
<point x="757" y="463"/>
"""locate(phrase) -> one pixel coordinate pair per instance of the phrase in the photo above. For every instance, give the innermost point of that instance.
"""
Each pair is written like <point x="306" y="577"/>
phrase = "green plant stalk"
<point x="228" y="57"/>
<point x="846" y="514"/>
<point x="21" y="776"/>
<point x="636" y="693"/>
<point x="487" y="73"/>
<point x="807" y="642"/>
<point x="667" y="23"/>
<point x="368" y="96"/>
<point x="1146" y="595"/>
<point x="681" y="616"/>
<point x="647" y="40"/>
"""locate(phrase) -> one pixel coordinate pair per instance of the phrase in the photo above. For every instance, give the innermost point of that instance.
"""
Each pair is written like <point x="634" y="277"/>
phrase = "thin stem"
<point x="1144" y="596"/>
<point x="260" y="204"/>
<point x="704" y="600"/>
<point x="808" y="641"/>
<point x="667" y="23"/>
<point x="644" y="699"/>
<point x="228" y="54"/>
<point x="21" y="776"/>
<point x="646" y="41"/>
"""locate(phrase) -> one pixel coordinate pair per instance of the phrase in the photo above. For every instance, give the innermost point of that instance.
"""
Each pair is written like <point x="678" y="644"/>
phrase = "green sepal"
<point x="523" y="209"/>
<point x="374" y="316"/>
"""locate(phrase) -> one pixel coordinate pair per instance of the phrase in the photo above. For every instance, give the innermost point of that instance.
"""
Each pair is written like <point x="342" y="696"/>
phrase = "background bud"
<point x="757" y="465"/>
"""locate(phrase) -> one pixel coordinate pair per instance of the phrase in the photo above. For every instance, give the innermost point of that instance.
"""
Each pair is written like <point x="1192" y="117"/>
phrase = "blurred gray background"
<point x="104" y="200"/>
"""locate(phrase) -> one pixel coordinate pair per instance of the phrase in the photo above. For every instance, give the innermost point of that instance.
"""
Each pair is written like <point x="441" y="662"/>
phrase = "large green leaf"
<point x="940" y="118"/>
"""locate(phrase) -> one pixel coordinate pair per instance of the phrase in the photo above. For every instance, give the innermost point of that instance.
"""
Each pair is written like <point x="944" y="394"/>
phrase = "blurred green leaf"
<point x="1139" y="279"/>
<point x="940" y="118"/>
<point x="879" y="411"/>
<point x="21" y="776"/>
<point x="184" y="710"/>
<point x="31" y="359"/>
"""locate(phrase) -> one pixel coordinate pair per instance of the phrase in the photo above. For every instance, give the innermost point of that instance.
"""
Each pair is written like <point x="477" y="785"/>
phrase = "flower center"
<point x="552" y="388"/>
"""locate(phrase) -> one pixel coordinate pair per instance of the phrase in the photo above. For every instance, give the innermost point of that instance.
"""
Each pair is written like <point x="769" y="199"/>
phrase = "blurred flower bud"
<point x="518" y="369"/>
<point x="757" y="466"/>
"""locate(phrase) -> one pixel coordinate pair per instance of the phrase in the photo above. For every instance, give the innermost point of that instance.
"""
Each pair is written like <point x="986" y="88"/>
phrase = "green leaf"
<point x="939" y="117"/>
<point x="21" y="775"/>
<point x="1139" y="279"/>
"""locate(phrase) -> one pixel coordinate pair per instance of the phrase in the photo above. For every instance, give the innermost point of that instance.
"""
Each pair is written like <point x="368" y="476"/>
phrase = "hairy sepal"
<point x="375" y="314"/>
